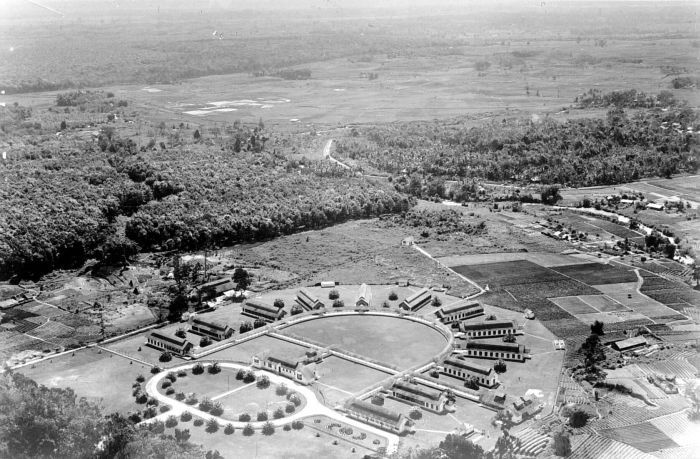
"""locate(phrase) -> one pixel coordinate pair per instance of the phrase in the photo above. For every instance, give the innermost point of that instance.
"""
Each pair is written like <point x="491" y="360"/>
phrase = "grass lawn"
<point x="252" y="400"/>
<point x="293" y="444"/>
<point x="130" y="346"/>
<point x="104" y="377"/>
<point x="348" y="376"/>
<point x="391" y="340"/>
<point x="206" y="384"/>
<point x="245" y="351"/>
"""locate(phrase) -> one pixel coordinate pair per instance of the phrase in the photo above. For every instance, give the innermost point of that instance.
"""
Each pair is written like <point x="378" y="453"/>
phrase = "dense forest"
<point x="64" y="201"/>
<point x="624" y="146"/>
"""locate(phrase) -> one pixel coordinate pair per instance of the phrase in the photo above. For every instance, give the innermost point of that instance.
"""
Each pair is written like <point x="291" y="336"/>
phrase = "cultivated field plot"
<point x="347" y="376"/>
<point x="597" y="273"/>
<point x="603" y="303"/>
<point x="645" y="437"/>
<point x="541" y="258"/>
<point x="678" y="428"/>
<point x="573" y="305"/>
<point x="97" y="376"/>
<point x="626" y="294"/>
<point x="508" y="273"/>
<point x="391" y="340"/>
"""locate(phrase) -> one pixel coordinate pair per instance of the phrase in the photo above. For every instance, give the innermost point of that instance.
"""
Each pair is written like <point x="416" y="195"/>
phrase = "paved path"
<point x="313" y="406"/>
<point x="327" y="154"/>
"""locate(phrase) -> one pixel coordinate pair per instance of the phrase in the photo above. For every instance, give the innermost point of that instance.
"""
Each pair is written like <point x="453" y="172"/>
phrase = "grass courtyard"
<point x="390" y="340"/>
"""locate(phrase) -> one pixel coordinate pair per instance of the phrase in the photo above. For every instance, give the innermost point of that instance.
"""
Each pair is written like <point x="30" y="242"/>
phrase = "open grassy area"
<point x="97" y="376"/>
<point x="393" y="341"/>
<point x="346" y="375"/>
<point x="296" y="444"/>
<point x="264" y="344"/>
<point x="207" y="384"/>
<point x="252" y="400"/>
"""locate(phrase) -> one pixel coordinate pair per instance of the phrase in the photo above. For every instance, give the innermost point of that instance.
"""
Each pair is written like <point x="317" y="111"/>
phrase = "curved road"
<point x="313" y="405"/>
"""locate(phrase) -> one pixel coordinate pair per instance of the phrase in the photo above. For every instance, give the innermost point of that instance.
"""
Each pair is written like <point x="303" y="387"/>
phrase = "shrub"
<point x="287" y="428"/>
<point x="263" y="382"/>
<point x="393" y="296"/>
<point x="385" y="304"/>
<point x="155" y="370"/>
<point x="191" y="399"/>
<point x="186" y="416"/>
<point x="181" y="333"/>
<point x="228" y="430"/>
<point x="248" y="430"/>
<point x="206" y="405"/>
<point x="578" y="418"/>
<point x="338" y="303"/>
<point x="171" y="377"/>
<point x="165" y="384"/>
<point x="164" y="409"/>
<point x="509" y="338"/>
<point x="290" y="408"/>
<point x="279" y="303"/>
<point x="491" y="317"/>
<point x="278" y="413"/>
<point x="149" y="412"/>
<point x="180" y="396"/>
<point x="140" y="378"/>
<point x="198" y="422"/>
<point x="377" y="400"/>
<point x="205" y="341"/>
<point x="141" y="398"/>
<point x="170" y="391"/>
<point x="415" y="413"/>
<point x="165" y="356"/>
<point x="152" y="402"/>
<point x="217" y="409"/>
<point x="135" y="418"/>
<point x="240" y="374"/>
<point x="281" y="389"/>
<point x="500" y="366"/>
<point x="268" y="429"/>
<point x="157" y="427"/>
<point x="294" y="398"/>
<point x="297" y="425"/>
<point x="436" y="302"/>
<point x="181" y="373"/>
<point x="249" y="377"/>
<point x="198" y="369"/>
<point x="171" y="421"/>
<point x="333" y="295"/>
<point x="212" y="425"/>
<point x="243" y="417"/>
<point x="262" y="416"/>
<point x="136" y="392"/>
<point x="214" y="368"/>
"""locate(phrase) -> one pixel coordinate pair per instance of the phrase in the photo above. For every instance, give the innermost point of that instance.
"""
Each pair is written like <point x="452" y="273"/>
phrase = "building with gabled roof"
<point x="461" y="310"/>
<point x="416" y="301"/>
<point x="299" y="370"/>
<point x="170" y="343"/>
<point x="491" y="350"/>
<point x="364" y="297"/>
<point x="430" y="399"/>
<point x="462" y="369"/>
<point x="630" y="344"/>
<point x="259" y="310"/>
<point x="488" y="328"/>
<point x="377" y="416"/>
<point x="212" y="289"/>
<point x="215" y="330"/>
<point x="308" y="302"/>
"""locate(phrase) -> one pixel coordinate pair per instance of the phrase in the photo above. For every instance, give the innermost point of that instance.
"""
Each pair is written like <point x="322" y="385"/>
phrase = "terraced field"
<point x="645" y="437"/>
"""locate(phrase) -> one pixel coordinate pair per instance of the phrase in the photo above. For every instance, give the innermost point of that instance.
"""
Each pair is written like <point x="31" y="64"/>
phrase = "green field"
<point x="348" y="376"/>
<point x="389" y="340"/>
<point x="101" y="377"/>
